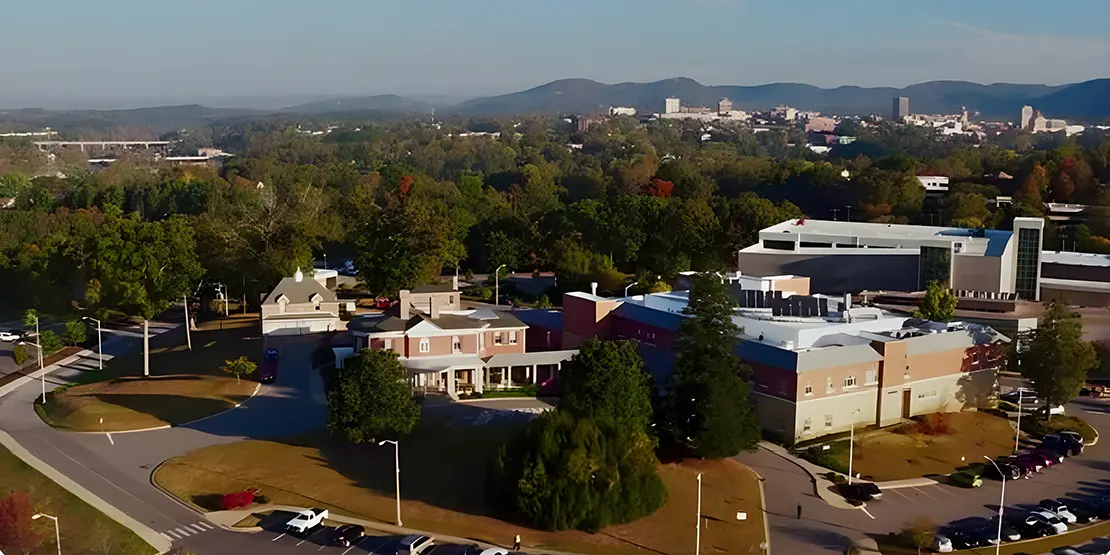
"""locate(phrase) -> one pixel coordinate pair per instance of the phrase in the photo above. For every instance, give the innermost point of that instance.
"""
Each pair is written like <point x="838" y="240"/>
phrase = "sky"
<point x="150" y="51"/>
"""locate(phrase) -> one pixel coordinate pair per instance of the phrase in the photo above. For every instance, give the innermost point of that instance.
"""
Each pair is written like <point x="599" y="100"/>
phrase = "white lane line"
<point x="919" y="490"/>
<point x="278" y="538"/>
<point x="906" y="497"/>
<point x="944" y="490"/>
<point x="110" y="440"/>
<point x="864" y="509"/>
<point x="175" y="536"/>
<point x="198" y="528"/>
<point x="164" y="535"/>
<point x="358" y="544"/>
<point x="206" y="525"/>
<point x="182" y="532"/>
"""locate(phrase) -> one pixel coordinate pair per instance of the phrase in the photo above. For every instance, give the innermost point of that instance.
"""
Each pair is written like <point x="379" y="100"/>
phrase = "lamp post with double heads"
<point x="99" y="342"/>
<point x="397" y="466"/>
<point x="57" y="531"/>
<point x="1001" y="505"/>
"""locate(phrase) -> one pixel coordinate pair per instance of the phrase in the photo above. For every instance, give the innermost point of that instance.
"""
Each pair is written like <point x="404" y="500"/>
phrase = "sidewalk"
<point x="228" y="519"/>
<point x="821" y="484"/>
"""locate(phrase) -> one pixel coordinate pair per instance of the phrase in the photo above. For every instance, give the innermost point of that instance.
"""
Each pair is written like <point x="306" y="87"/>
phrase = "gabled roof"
<point x="299" y="291"/>
<point x="474" y="321"/>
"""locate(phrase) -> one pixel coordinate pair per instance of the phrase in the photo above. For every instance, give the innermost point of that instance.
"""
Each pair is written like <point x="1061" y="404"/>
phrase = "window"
<point x="481" y="341"/>
<point x="389" y="344"/>
<point x="456" y="344"/>
<point x="317" y="307"/>
<point x="828" y="421"/>
<point x="425" y="345"/>
<point x="512" y="337"/>
<point x="828" y="385"/>
<point x="871" y="378"/>
<point x="497" y="338"/>
<point x="850" y="381"/>
<point x="450" y="299"/>
<point x="807" y="425"/>
<point x="809" y="389"/>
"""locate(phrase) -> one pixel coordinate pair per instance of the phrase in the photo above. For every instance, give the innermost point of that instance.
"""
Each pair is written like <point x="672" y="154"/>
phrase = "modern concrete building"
<point x="848" y="257"/>
<point x="672" y="106"/>
<point x="724" y="106"/>
<point x="621" y="111"/>
<point x="1077" y="278"/>
<point x="901" y="108"/>
<point x="1027" y="115"/>
<point x="822" y="366"/>
<point x="451" y="350"/>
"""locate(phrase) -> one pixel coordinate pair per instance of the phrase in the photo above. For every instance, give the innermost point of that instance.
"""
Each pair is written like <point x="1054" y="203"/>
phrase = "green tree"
<point x="1055" y="358"/>
<point x="966" y="210"/>
<point x="938" y="304"/>
<point x="369" y="398"/>
<point x="920" y="535"/>
<point x="76" y="332"/>
<point x="607" y="379"/>
<point x="19" y="353"/>
<point x="563" y="472"/>
<point x="708" y="409"/>
<point x="239" y="367"/>
<point x="405" y="244"/>
<point x="50" y="342"/>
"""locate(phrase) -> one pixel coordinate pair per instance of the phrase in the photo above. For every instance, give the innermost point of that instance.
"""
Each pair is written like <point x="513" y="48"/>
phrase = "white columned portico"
<point x="479" y="379"/>
<point x="535" y="370"/>
<point x="451" y="383"/>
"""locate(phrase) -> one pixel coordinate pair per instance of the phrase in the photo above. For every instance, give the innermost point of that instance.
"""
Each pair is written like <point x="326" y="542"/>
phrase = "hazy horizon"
<point x="133" y="54"/>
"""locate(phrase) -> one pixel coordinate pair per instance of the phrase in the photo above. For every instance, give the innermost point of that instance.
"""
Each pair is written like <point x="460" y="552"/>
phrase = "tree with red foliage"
<point x="405" y="184"/>
<point x="238" y="499"/>
<point x="15" y="523"/>
<point x="1062" y="187"/>
<point x="660" y="188"/>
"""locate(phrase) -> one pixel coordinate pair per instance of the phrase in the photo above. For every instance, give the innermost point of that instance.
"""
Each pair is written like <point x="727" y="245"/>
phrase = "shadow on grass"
<point x="171" y="409"/>
<point x="208" y="501"/>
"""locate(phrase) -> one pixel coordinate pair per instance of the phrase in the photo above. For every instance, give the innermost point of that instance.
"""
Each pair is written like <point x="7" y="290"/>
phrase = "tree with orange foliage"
<point x="660" y="188"/>
<point x="405" y="184"/>
<point x="15" y="523"/>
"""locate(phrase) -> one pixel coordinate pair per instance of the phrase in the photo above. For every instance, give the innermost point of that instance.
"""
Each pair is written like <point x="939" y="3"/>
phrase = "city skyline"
<point x="277" y="49"/>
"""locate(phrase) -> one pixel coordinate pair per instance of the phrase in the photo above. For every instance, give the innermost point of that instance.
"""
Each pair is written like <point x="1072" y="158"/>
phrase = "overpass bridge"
<point x="103" y="145"/>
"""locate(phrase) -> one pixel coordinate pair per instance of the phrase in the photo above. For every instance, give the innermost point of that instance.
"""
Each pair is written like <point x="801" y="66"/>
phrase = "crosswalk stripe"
<point x="172" y="533"/>
<point x="198" y="528"/>
<point x="164" y="535"/>
<point x="206" y="525"/>
<point x="183" y="532"/>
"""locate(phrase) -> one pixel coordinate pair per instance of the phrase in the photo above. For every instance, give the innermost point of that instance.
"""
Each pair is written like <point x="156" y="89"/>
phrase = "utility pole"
<point x="835" y="211"/>
<point x="849" y="209"/>
<point x="697" y="537"/>
<point x="188" y="334"/>
<point x="497" y="285"/>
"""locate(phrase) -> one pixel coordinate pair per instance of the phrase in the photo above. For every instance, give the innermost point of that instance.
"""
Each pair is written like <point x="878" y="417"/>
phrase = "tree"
<point x="607" y="379"/>
<point x="76" y="332"/>
<point x="563" y="472"/>
<point x="966" y="210"/>
<point x="50" y="342"/>
<point x="239" y="367"/>
<point x="369" y="398"/>
<point x="920" y="535"/>
<point x="708" y="409"/>
<point x="938" y="304"/>
<point x="406" y="244"/>
<point x="16" y="535"/>
<point x="1055" y="358"/>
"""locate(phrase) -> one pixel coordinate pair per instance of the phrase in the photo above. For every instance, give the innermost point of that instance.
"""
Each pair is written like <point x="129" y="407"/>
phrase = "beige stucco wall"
<point x="951" y="393"/>
<point x="505" y="348"/>
<point x="977" y="273"/>
<point x="799" y="285"/>
<point x="818" y="379"/>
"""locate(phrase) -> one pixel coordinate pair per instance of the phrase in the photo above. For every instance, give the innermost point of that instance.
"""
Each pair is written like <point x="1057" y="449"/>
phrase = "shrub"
<point x="484" y="293"/>
<point x="564" y="473"/>
<point x="19" y="353"/>
<point x="1058" y="423"/>
<point x="50" y="342"/>
<point x="828" y="457"/>
<point x="918" y="535"/>
<point x="543" y="302"/>
<point x="935" y="424"/>
<point x="237" y="500"/>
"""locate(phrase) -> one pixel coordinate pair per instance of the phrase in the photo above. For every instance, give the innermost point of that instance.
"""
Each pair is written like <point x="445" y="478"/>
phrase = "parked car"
<point x="1040" y="457"/>
<point x="1045" y="411"/>
<point x="967" y="479"/>
<point x="495" y="551"/>
<point x="306" y="521"/>
<point x="861" y="491"/>
<point x="1050" y="519"/>
<point x="414" y="544"/>
<point x="1010" y="471"/>
<point x="1065" y="444"/>
<point x="269" y="370"/>
<point x="1010" y="532"/>
<point x="1029" y="527"/>
<point x="1083" y="515"/>
<point x="1074" y="436"/>
<point x="1027" y="396"/>
<point x="983" y="536"/>
<point x="1055" y="456"/>
<point x="1038" y="463"/>
<point x="961" y="539"/>
<point x="941" y="544"/>
<point x="1058" y="508"/>
<point x="1026" y="465"/>
<point x="1098" y="506"/>
<point x="347" y="535"/>
<point x="10" y="336"/>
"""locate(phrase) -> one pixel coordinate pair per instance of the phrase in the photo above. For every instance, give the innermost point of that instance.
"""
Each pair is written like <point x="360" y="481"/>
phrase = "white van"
<point x="414" y="545"/>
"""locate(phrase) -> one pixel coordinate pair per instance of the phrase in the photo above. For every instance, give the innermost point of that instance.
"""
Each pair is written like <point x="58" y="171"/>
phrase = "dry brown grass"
<point x="443" y="483"/>
<point x="895" y="454"/>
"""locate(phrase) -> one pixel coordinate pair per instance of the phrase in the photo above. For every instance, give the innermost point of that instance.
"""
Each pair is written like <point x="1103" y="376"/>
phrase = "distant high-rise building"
<point x="790" y="114"/>
<point x="622" y="111"/>
<point x="724" y="106"/>
<point x="672" y="106"/>
<point x="901" y="108"/>
<point x="1026" y="117"/>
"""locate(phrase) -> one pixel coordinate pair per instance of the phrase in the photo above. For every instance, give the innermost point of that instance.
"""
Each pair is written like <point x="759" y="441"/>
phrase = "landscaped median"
<point x="896" y="544"/>
<point x="184" y="385"/>
<point x="443" y="474"/>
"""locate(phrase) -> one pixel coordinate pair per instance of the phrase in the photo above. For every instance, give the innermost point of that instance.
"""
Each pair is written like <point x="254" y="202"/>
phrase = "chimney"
<point x="848" y="307"/>
<point x="433" y="304"/>
<point x="593" y="288"/>
<point x="403" y="303"/>
<point x="298" y="276"/>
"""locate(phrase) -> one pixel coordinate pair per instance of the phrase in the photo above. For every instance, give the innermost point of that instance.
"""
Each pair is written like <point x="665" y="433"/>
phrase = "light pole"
<point x="42" y="374"/>
<point x="99" y="342"/>
<point x="325" y="261"/>
<point x="1017" y="432"/>
<point x="57" y="531"/>
<point x="397" y="465"/>
<point x="497" y="285"/>
<point x="1001" y="505"/>
<point x="188" y="333"/>
<point x="697" y="525"/>
<point x="629" y="287"/>
<point x="851" y="444"/>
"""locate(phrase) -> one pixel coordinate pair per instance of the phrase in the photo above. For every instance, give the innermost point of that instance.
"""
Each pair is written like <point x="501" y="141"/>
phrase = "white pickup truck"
<point x="306" y="521"/>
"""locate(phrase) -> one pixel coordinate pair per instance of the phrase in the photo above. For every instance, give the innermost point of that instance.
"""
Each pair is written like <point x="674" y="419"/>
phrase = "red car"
<point x="268" y="373"/>
<point x="382" y="303"/>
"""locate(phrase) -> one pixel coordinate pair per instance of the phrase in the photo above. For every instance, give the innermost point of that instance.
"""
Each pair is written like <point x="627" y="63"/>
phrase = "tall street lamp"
<point x="99" y="342"/>
<point x="42" y="374"/>
<point x="57" y="532"/>
<point x="1001" y="505"/>
<point x="397" y="466"/>
<point x="497" y="285"/>
<point x="851" y="444"/>
<point x="697" y="536"/>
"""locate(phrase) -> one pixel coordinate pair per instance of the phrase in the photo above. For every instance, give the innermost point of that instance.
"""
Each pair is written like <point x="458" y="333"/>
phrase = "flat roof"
<point x="993" y="241"/>
<point x="1076" y="258"/>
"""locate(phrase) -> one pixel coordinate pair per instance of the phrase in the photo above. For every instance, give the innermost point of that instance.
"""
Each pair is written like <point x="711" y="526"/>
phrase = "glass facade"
<point x="1028" y="263"/>
<point x="935" y="265"/>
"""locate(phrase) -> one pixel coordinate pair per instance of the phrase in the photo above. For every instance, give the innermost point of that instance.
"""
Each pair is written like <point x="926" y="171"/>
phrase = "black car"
<point x="961" y="539"/>
<point x="1010" y="533"/>
<point x="1083" y="514"/>
<point x="1064" y="444"/>
<point x="860" y="491"/>
<point x="1030" y="530"/>
<point x="1027" y="466"/>
<point x="1011" y="472"/>
<point x="1096" y="506"/>
<point x="347" y="535"/>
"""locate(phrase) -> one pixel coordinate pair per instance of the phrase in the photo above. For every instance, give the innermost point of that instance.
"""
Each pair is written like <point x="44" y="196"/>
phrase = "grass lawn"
<point x="446" y="494"/>
<point x="1076" y="538"/>
<point x="898" y="453"/>
<point x="84" y="529"/>
<point x="184" y="385"/>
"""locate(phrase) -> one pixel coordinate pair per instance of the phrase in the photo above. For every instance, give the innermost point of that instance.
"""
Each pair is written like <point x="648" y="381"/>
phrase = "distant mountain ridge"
<point x="1090" y="99"/>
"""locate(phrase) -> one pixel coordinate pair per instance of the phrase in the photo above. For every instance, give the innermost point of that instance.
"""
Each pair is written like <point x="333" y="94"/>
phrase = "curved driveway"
<point x="119" y="473"/>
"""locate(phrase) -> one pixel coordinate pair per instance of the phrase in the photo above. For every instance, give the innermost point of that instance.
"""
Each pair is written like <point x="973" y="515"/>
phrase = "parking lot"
<point x="319" y="540"/>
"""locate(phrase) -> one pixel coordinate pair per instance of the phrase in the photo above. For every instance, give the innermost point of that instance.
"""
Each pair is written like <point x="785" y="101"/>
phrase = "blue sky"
<point x="222" y="48"/>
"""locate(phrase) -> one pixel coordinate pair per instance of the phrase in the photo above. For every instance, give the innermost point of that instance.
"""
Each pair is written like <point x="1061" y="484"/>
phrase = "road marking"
<point x="278" y="538"/>
<point x="919" y="490"/>
<point x="110" y="440"/>
<point x="900" y="493"/>
<point x="182" y="532"/>
<point x="164" y="535"/>
<point x="864" y="509"/>
<point x="198" y="528"/>
<point x="322" y="546"/>
<point x="942" y="489"/>
<point x="175" y="536"/>
<point x="206" y="525"/>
